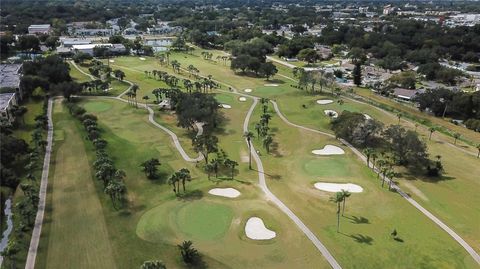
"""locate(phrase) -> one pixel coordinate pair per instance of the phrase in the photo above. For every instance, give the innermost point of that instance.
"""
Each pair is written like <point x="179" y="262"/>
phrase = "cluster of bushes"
<point x="105" y="169"/>
<point x="473" y="124"/>
<point x="404" y="146"/>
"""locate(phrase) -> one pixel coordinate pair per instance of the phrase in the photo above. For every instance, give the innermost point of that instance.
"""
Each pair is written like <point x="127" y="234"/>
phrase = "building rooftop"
<point x="5" y="99"/>
<point x="10" y="75"/>
<point x="39" y="26"/>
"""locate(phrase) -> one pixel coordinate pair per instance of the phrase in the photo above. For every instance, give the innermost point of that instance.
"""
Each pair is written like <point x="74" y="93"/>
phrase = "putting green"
<point x="333" y="166"/>
<point x="198" y="220"/>
<point x="203" y="220"/>
<point x="97" y="106"/>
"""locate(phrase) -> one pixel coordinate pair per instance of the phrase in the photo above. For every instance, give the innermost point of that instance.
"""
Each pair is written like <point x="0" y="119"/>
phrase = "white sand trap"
<point x="367" y="117"/>
<point x="331" y="113"/>
<point x="226" y="106"/>
<point x="336" y="187"/>
<point x="112" y="61"/>
<point x="141" y="59"/>
<point x="256" y="230"/>
<point x="324" y="102"/>
<point x="242" y="99"/>
<point x="247" y="90"/>
<point x="329" y="150"/>
<point x="225" y="192"/>
<point x="271" y="85"/>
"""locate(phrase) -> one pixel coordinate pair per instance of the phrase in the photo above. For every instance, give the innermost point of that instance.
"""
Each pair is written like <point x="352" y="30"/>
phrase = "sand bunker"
<point x="329" y="150"/>
<point x="331" y="113"/>
<point x="271" y="85"/>
<point x="226" y="106"/>
<point x="141" y="59"/>
<point x="247" y="90"/>
<point x="225" y="192"/>
<point x="242" y="99"/>
<point x="367" y="117"/>
<point x="324" y="102"/>
<point x="336" y="187"/>
<point x="256" y="230"/>
<point x="112" y="61"/>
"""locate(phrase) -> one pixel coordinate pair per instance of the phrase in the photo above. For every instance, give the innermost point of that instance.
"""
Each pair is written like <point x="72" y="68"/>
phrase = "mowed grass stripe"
<point x="78" y="240"/>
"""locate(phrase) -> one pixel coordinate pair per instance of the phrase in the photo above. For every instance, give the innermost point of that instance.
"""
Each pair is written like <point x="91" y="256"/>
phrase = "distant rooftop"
<point x="5" y="99"/>
<point x="10" y="75"/>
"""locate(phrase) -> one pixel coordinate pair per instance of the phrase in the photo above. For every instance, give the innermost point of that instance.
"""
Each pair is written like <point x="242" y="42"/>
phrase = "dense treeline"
<point x="105" y="170"/>
<point x="395" y="144"/>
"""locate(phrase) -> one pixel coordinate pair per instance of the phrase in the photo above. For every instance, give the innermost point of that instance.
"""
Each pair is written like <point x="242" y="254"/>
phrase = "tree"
<point x="267" y="70"/>
<point x="309" y="55"/>
<point x="368" y="152"/>
<point x="249" y="135"/>
<point x="189" y="254"/>
<point x="357" y="74"/>
<point x="432" y="130"/>
<point x="345" y="195"/>
<point x="184" y="175"/>
<point x="267" y="141"/>
<point x="456" y="136"/>
<point x="231" y="164"/>
<point x="115" y="189"/>
<point x="156" y="264"/>
<point x="173" y="180"/>
<point x="338" y="198"/>
<point x="119" y="74"/>
<point x="146" y="99"/>
<point x="150" y="167"/>
<point x="10" y="252"/>
<point x="478" y="147"/>
<point x="209" y="168"/>
<point x="205" y="144"/>
<point x="399" y="116"/>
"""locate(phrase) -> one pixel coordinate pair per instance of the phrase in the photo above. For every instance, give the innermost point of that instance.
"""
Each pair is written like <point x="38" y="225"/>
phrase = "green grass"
<point x="131" y="140"/>
<point x="72" y="190"/>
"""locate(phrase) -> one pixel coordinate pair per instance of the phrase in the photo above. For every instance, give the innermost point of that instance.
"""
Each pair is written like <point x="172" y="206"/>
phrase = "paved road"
<point x="37" y="229"/>
<point x="270" y="196"/>
<point x="281" y="62"/>
<point x="427" y="213"/>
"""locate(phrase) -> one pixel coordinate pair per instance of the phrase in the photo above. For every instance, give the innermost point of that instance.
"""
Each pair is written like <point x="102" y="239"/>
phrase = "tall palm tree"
<point x="368" y="152"/>
<point x="338" y="198"/>
<point x="399" y="116"/>
<point x="146" y="99"/>
<point x="390" y="175"/>
<point x="184" y="174"/>
<point x="173" y="180"/>
<point x="258" y="127"/>
<point x="266" y="117"/>
<point x="231" y="164"/>
<point x="345" y="195"/>
<point x="249" y="135"/>
<point x="267" y="141"/>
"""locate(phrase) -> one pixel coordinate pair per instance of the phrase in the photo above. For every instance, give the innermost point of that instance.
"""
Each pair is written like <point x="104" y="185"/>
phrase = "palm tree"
<point x="258" y="127"/>
<point x="209" y="168"/>
<point x="345" y="195"/>
<point x="173" y="180"/>
<point x="390" y="175"/>
<point x="184" y="175"/>
<point x="368" y="152"/>
<point x="373" y="156"/>
<point x="416" y="126"/>
<point x="146" y="99"/>
<point x="249" y="135"/>
<point x="153" y="265"/>
<point x="115" y="189"/>
<point x="267" y="141"/>
<point x="478" y="147"/>
<point x="216" y="164"/>
<point x="266" y="117"/>
<point x="399" y="116"/>
<point x="188" y="252"/>
<point x="150" y="167"/>
<point x="338" y="198"/>
<point x="432" y="130"/>
<point x="231" y="164"/>
<point x="456" y="136"/>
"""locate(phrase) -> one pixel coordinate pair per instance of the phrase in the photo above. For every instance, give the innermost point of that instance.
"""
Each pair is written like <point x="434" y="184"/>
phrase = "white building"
<point x="88" y="48"/>
<point x="36" y="29"/>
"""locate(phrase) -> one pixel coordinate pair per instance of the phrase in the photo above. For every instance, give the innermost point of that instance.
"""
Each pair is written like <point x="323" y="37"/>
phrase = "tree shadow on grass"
<point x="190" y="195"/>
<point x="398" y="239"/>
<point x="358" y="220"/>
<point x="362" y="239"/>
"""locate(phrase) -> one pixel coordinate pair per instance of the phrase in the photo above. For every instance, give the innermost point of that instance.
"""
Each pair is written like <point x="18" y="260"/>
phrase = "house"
<point x="36" y="29"/>
<point x="69" y="42"/>
<point x="93" y="32"/>
<point x="7" y="101"/>
<point x="10" y="75"/>
<point x="405" y="94"/>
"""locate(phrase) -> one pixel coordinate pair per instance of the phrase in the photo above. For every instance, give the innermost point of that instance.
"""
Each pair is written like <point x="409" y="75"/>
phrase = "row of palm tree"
<point x="132" y="95"/>
<point x="311" y="79"/>
<point x="181" y="176"/>
<point x="383" y="167"/>
<point x="206" y="55"/>
<point x="262" y="126"/>
<point x="170" y="80"/>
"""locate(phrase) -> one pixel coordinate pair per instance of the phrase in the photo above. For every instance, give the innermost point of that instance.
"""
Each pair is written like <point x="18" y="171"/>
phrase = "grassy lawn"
<point x="155" y="220"/>
<point x="72" y="190"/>
<point x="370" y="216"/>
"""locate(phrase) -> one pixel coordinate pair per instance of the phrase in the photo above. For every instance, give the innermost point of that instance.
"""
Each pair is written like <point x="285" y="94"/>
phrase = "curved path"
<point x="270" y="196"/>
<point x="37" y="228"/>
<point x="427" y="213"/>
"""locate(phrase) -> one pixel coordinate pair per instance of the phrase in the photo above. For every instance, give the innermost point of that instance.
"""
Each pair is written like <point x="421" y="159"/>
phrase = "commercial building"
<point x="36" y="29"/>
